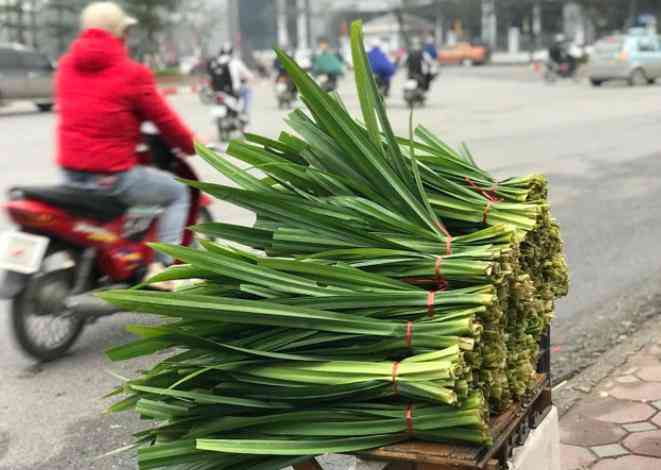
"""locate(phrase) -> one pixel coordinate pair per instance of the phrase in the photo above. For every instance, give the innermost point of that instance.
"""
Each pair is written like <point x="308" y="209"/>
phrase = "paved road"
<point x="600" y="149"/>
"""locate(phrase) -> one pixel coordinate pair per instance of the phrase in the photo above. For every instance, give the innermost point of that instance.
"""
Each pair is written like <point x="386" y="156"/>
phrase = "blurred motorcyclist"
<point x="420" y="65"/>
<point x="327" y="63"/>
<point x="557" y="49"/>
<point x="282" y="76"/>
<point x="103" y="97"/>
<point x="382" y="67"/>
<point x="559" y="54"/>
<point x="230" y="75"/>
<point x="430" y="47"/>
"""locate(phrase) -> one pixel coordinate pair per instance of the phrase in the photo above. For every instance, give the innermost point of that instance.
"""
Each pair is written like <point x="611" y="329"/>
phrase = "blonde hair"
<point x="107" y="16"/>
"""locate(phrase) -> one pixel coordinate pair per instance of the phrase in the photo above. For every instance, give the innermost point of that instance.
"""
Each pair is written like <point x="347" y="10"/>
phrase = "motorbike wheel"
<point x="42" y="326"/>
<point x="549" y="76"/>
<point x="223" y="134"/>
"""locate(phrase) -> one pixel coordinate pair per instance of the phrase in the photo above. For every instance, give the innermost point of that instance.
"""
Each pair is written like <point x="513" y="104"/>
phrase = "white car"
<point x="635" y="57"/>
<point x="25" y="74"/>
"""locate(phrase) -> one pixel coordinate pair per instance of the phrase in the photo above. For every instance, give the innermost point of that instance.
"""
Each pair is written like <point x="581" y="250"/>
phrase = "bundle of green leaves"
<point x="389" y="289"/>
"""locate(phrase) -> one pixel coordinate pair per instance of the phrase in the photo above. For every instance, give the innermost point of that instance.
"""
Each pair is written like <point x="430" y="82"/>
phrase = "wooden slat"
<point x="432" y="456"/>
<point x="399" y="466"/>
<point x="311" y="464"/>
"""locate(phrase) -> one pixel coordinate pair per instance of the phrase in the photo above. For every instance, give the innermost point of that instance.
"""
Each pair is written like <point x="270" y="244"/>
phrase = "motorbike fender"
<point x="13" y="284"/>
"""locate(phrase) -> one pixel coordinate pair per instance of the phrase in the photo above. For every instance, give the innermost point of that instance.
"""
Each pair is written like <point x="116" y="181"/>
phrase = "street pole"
<point x="489" y="23"/>
<point x="234" y="30"/>
<point x="633" y="12"/>
<point x="20" y="25"/>
<point x="33" y="23"/>
<point x="308" y="28"/>
<point x="537" y="23"/>
<point x="60" y="28"/>
<point x="438" y="33"/>
<point x="283" y="33"/>
<point x="302" y="24"/>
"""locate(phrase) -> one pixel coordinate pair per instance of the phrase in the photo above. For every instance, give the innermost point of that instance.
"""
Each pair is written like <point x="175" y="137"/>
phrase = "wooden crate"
<point x="509" y="429"/>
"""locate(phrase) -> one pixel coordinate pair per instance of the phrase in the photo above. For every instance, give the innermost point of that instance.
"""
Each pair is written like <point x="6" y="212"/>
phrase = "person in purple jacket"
<point x="382" y="67"/>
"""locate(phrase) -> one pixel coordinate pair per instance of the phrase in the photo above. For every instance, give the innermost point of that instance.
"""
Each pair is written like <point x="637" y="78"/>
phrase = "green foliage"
<point x="322" y="328"/>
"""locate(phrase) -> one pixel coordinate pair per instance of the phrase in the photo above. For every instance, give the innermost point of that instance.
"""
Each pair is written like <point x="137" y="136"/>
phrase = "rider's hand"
<point x="201" y="140"/>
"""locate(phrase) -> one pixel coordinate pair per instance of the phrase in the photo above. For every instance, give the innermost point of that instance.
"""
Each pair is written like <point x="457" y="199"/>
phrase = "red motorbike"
<point x="72" y="242"/>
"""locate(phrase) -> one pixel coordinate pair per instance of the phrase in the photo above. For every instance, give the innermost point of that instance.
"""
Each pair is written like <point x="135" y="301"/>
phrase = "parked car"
<point x="635" y="57"/>
<point x="25" y="74"/>
<point x="465" y="53"/>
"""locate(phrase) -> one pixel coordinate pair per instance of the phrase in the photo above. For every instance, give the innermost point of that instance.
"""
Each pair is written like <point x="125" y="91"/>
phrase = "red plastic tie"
<point x="448" y="238"/>
<point x="440" y="280"/>
<point x="395" y="368"/>
<point x="409" y="418"/>
<point x="430" y="303"/>
<point x="489" y="193"/>
<point x="472" y="184"/>
<point x="485" y="214"/>
<point x="409" y="334"/>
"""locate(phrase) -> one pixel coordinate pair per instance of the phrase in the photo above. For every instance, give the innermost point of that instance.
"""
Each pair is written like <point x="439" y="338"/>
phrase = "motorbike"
<point x="227" y="116"/>
<point x="382" y="86"/>
<point x="71" y="243"/>
<point x="206" y="94"/>
<point x="285" y="92"/>
<point x="554" y="71"/>
<point x="328" y="82"/>
<point x="414" y="94"/>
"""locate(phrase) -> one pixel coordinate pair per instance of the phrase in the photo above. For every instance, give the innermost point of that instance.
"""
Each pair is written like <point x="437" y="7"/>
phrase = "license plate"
<point x="219" y="111"/>
<point x="22" y="252"/>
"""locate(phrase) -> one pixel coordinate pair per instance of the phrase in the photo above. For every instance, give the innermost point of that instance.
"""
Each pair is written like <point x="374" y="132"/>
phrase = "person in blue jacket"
<point x="382" y="67"/>
<point x="430" y="47"/>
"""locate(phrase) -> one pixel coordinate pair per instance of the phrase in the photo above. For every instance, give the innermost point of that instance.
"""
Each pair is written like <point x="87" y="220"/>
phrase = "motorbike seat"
<point x="76" y="201"/>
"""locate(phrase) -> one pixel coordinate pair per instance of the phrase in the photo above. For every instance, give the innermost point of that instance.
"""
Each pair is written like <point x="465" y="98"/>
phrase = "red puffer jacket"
<point x="103" y="97"/>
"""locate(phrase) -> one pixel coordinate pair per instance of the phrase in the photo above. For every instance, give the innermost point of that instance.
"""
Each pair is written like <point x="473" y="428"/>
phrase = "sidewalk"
<point x="617" y="425"/>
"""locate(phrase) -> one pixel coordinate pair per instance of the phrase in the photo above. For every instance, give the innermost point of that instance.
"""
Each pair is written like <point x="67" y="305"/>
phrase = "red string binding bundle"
<point x="489" y="193"/>
<point x="440" y="280"/>
<point x="485" y="214"/>
<point x="409" y="334"/>
<point x="408" y="340"/>
<point x="395" y="386"/>
<point x="431" y="297"/>
<point x="409" y="418"/>
<point x="448" y="238"/>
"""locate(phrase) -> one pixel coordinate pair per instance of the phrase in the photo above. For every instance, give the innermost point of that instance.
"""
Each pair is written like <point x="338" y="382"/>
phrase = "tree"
<point x="13" y="20"/>
<point x="61" y="21"/>
<point x="201" y="18"/>
<point x="152" y="16"/>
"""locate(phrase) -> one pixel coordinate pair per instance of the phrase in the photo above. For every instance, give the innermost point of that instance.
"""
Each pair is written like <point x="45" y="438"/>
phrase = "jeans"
<point x="144" y="186"/>
<point x="245" y="93"/>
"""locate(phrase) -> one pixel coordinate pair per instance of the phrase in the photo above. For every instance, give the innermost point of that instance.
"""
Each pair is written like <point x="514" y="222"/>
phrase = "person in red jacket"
<point x="103" y="98"/>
